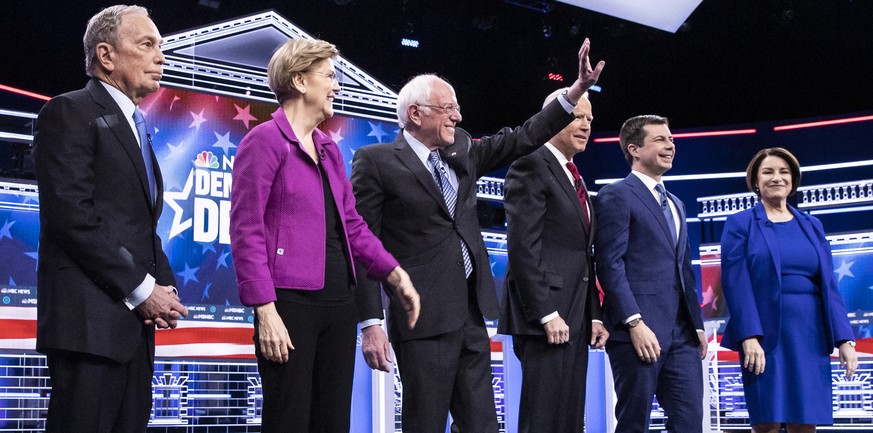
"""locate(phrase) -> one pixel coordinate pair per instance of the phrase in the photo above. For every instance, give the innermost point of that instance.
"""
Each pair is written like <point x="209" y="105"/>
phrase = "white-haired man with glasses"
<point x="418" y="195"/>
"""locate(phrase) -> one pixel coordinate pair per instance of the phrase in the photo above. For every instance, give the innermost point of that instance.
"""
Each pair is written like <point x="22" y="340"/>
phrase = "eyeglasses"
<point x="445" y="108"/>
<point x="332" y="76"/>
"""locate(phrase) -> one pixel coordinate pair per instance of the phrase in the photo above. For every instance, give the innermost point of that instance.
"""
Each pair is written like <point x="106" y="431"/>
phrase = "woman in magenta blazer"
<point x="786" y="311"/>
<point x="294" y="235"/>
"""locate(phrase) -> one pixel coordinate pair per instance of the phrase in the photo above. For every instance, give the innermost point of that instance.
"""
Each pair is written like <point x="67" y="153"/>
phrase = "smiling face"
<point x="655" y="155"/>
<point x="321" y="88"/>
<point x="134" y="64"/>
<point x="573" y="139"/>
<point x="434" y="126"/>
<point x="774" y="180"/>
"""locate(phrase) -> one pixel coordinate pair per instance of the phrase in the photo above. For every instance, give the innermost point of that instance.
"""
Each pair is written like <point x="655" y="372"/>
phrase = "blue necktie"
<point x="451" y="198"/>
<point x="668" y="213"/>
<point x="145" y="147"/>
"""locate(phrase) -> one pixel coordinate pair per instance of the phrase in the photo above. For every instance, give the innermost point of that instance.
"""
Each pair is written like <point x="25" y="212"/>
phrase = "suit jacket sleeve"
<point x="840" y="327"/>
<point x="369" y="196"/>
<point x="690" y="279"/>
<point x="736" y="279"/>
<point x="258" y="160"/>
<point x="493" y="152"/>
<point x="525" y="204"/>
<point x="610" y="248"/>
<point x="65" y="145"/>
<point x="367" y="249"/>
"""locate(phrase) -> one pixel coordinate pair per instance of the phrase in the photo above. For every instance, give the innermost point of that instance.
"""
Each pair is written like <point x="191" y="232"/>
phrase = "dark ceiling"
<point x="733" y="61"/>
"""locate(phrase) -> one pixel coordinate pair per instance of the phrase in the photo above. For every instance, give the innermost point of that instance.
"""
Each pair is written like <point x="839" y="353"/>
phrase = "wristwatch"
<point x="849" y="342"/>
<point x="634" y="323"/>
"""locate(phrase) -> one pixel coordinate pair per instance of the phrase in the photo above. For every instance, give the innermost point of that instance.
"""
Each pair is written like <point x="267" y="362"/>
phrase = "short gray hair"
<point x="416" y="91"/>
<point x="103" y="27"/>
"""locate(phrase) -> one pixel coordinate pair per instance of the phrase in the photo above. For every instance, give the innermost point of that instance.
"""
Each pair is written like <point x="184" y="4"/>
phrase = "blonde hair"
<point x="294" y="57"/>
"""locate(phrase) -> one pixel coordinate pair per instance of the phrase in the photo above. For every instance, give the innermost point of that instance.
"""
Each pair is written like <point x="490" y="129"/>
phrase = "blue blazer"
<point x="637" y="263"/>
<point x="752" y="281"/>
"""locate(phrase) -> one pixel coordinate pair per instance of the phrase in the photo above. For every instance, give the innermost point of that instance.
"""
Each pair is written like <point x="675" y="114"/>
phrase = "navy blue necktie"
<point x="145" y="147"/>
<point x="451" y="198"/>
<point x="668" y="213"/>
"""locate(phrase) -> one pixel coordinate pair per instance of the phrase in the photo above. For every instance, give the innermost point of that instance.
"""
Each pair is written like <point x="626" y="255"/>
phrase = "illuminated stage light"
<point x="555" y="77"/>
<point x="741" y="174"/>
<point x="595" y="88"/>
<point x="822" y="123"/>
<point x="691" y="135"/>
<point x="407" y="42"/>
<point x="24" y="92"/>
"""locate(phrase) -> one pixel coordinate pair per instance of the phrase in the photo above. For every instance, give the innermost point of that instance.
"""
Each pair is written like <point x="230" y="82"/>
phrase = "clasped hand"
<point x="162" y="308"/>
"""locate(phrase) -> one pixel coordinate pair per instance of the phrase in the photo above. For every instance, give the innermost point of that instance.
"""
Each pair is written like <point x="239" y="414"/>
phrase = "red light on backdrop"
<point x="690" y="134"/>
<point x="556" y="77"/>
<point x="822" y="123"/>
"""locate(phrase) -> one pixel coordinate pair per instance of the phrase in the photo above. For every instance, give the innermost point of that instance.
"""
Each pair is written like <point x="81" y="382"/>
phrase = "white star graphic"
<point x="244" y="115"/>
<point x="35" y="256"/>
<point x="223" y="141"/>
<point x="198" y="119"/>
<point x="175" y="151"/>
<point x="170" y="198"/>
<point x="845" y="270"/>
<point x="4" y="232"/>
<point x="376" y="131"/>
<point x="335" y="136"/>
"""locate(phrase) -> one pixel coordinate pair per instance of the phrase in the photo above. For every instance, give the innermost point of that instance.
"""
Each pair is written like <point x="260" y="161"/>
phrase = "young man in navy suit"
<point x="651" y="307"/>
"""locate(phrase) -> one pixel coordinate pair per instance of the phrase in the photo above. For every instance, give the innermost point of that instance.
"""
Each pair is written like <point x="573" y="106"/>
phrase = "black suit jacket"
<point x="399" y="199"/>
<point x="640" y="268"/>
<point x="551" y="266"/>
<point x="97" y="226"/>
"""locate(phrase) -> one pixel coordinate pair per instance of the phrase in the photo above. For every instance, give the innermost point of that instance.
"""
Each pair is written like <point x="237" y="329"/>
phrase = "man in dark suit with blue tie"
<point x="103" y="281"/>
<point x="418" y="195"/>
<point x="651" y="307"/>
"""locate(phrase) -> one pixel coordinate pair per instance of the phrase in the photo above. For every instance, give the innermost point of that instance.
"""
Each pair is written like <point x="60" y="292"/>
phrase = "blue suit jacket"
<point x="637" y="263"/>
<point x="752" y="281"/>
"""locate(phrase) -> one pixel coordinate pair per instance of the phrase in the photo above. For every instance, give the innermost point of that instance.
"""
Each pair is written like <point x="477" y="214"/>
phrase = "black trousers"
<point x="448" y="372"/>
<point x="553" y="383"/>
<point x="92" y="394"/>
<point x="312" y="392"/>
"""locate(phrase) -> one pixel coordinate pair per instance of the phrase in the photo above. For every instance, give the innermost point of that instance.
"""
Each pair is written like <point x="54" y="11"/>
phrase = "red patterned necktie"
<point x="580" y="191"/>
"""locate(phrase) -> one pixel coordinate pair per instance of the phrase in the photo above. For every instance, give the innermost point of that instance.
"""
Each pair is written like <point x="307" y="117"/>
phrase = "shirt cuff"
<point x="634" y="317"/>
<point x="370" y="322"/>
<point x="596" y="321"/>
<point x="566" y="104"/>
<point x="548" y="318"/>
<point x="141" y="293"/>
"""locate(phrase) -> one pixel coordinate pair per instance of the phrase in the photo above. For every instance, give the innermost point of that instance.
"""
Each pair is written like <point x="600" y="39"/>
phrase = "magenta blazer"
<point x="277" y="230"/>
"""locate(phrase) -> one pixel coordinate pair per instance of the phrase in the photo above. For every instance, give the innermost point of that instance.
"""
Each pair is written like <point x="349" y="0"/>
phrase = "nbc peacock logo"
<point x="206" y="159"/>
